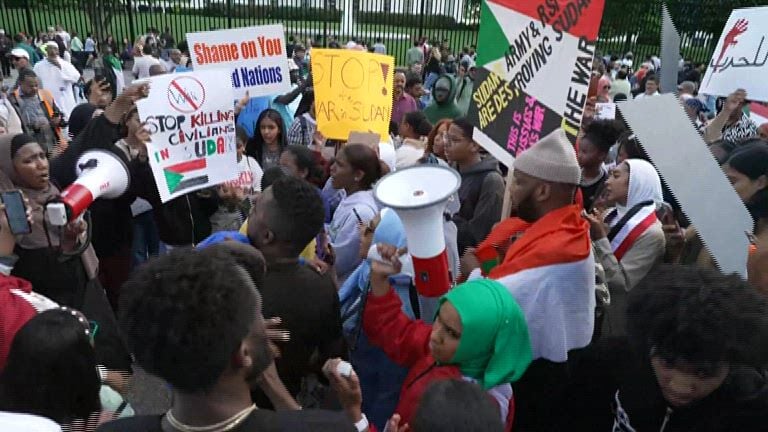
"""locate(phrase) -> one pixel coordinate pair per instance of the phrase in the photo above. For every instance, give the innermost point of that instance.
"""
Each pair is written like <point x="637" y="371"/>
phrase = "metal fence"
<point x="628" y="25"/>
<point x="395" y="22"/>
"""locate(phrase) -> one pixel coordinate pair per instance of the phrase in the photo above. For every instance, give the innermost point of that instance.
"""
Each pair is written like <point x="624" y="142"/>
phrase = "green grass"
<point x="13" y="20"/>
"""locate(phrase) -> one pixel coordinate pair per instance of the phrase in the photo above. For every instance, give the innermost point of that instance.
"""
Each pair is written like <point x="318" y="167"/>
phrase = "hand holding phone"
<point x="16" y="212"/>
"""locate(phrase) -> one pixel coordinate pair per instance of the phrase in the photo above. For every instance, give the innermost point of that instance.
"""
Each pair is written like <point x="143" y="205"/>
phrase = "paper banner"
<point x="353" y="92"/>
<point x="543" y="50"/>
<point x="694" y="177"/>
<point x="192" y="121"/>
<point x="254" y="58"/>
<point x="740" y="59"/>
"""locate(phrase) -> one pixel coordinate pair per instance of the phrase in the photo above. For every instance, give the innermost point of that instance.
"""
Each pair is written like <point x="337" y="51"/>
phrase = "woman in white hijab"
<point x="628" y="238"/>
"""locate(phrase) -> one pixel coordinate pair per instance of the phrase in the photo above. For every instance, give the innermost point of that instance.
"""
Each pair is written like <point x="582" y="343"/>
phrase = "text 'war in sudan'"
<point x="354" y="111"/>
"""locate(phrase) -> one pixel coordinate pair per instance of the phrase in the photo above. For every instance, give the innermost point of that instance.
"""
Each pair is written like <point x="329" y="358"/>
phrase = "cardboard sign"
<point x="670" y="51"/>
<point x="534" y="68"/>
<point x="682" y="158"/>
<point x="741" y="56"/>
<point x="369" y="139"/>
<point x="192" y="121"/>
<point x="353" y="92"/>
<point x="254" y="58"/>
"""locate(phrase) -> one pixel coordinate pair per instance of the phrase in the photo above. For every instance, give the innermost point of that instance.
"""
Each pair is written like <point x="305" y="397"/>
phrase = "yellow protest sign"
<point x="353" y="92"/>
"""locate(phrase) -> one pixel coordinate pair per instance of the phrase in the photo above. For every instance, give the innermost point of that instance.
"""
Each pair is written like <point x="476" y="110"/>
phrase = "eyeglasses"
<point x="13" y="59"/>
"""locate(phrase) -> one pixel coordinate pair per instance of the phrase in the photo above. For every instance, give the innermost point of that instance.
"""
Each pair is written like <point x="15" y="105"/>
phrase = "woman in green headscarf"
<point x="479" y="334"/>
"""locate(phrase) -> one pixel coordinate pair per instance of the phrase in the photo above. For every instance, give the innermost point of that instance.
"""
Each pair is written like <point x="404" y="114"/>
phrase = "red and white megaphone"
<point x="101" y="174"/>
<point x="419" y="196"/>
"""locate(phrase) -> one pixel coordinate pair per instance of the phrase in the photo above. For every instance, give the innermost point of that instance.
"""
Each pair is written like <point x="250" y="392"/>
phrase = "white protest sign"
<point x="605" y="111"/>
<point x="192" y="121"/>
<point x="254" y="58"/>
<point x="682" y="158"/>
<point x="741" y="56"/>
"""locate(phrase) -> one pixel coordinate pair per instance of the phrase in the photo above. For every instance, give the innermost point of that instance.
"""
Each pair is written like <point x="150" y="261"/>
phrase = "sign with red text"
<point x="534" y="66"/>
<point x="353" y="92"/>
<point x="254" y="58"/>
<point x="740" y="59"/>
<point x="192" y="121"/>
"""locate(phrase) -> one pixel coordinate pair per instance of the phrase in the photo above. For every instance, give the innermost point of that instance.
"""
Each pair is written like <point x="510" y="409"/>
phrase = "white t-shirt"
<point x="644" y="95"/>
<point x="142" y="64"/>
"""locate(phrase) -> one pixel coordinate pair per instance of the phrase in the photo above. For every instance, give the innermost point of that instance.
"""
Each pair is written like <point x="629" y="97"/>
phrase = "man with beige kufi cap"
<point x="549" y="268"/>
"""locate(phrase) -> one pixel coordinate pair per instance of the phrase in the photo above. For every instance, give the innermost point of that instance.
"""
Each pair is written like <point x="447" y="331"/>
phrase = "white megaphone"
<point x="419" y="196"/>
<point x="101" y="174"/>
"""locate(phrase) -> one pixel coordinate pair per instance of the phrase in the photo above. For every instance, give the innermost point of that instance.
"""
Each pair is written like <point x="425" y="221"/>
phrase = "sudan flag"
<point x="185" y="175"/>
<point x="534" y="67"/>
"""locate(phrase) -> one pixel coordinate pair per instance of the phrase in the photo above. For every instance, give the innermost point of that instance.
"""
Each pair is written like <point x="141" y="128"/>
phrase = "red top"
<point x="406" y="342"/>
<point x="15" y="311"/>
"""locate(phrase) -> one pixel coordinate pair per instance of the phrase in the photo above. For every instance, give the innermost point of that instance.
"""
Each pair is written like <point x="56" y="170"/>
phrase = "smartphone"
<point x="16" y="212"/>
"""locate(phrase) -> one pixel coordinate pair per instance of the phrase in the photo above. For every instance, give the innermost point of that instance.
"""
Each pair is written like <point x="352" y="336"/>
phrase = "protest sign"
<point x="687" y="166"/>
<point x="535" y="63"/>
<point x="353" y="92"/>
<point x="192" y="122"/>
<point x="365" y="138"/>
<point x="740" y="59"/>
<point x="605" y="111"/>
<point x="254" y="58"/>
<point x="670" y="51"/>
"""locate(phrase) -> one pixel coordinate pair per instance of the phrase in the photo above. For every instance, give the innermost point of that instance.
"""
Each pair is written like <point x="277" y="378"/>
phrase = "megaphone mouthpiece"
<point x="101" y="174"/>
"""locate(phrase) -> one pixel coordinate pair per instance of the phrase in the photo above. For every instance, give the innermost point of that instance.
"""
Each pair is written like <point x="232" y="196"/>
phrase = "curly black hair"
<point x="184" y="314"/>
<point x="603" y="134"/>
<point x="699" y="316"/>
<point x="296" y="216"/>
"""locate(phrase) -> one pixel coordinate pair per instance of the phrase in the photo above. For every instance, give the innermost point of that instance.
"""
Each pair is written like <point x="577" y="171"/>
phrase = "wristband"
<point x="362" y="425"/>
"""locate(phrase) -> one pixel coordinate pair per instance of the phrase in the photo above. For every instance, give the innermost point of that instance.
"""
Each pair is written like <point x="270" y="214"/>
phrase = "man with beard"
<point x="546" y="263"/>
<point x="194" y="319"/>
<point x="403" y="103"/>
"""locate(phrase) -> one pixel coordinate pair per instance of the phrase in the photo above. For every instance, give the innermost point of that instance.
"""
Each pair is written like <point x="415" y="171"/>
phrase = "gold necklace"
<point x="222" y="426"/>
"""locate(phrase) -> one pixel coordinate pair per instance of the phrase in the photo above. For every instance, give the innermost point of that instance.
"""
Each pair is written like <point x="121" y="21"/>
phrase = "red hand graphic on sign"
<point x="730" y="39"/>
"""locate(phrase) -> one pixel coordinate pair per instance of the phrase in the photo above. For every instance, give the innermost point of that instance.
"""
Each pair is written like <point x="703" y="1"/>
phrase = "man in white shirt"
<point x="174" y="60"/>
<point x="142" y="64"/>
<point x="58" y="76"/>
<point x="65" y="37"/>
<point x="651" y="88"/>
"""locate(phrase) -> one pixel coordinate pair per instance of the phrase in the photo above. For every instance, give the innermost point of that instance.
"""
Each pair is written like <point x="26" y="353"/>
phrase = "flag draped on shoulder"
<point x="550" y="270"/>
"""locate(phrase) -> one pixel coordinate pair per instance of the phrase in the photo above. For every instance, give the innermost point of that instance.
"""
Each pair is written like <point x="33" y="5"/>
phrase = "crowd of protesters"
<point x="591" y="305"/>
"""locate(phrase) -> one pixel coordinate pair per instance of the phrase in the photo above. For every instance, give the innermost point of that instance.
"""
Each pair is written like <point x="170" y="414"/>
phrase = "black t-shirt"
<point x="259" y="421"/>
<point x="308" y="304"/>
<point x="589" y="193"/>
